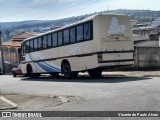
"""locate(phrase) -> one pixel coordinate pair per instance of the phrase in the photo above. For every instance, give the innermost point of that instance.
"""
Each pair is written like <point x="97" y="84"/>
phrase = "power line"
<point x="45" y="2"/>
<point x="61" y="11"/>
<point x="88" y="3"/>
<point x="40" y="4"/>
<point x="23" y="7"/>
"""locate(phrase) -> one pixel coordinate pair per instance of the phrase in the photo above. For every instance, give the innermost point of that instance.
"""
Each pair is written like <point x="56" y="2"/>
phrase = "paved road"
<point x="114" y="93"/>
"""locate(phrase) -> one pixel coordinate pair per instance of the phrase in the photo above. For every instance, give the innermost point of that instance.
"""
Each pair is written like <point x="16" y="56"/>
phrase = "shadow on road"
<point x="84" y="79"/>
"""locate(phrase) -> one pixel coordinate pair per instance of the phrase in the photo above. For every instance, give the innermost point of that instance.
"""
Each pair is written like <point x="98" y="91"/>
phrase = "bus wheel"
<point x="29" y="69"/>
<point x="30" y="72"/>
<point x="95" y="73"/>
<point x="66" y="70"/>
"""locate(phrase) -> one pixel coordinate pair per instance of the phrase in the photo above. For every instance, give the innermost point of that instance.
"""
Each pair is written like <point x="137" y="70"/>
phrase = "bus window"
<point x="49" y="43"/>
<point x="39" y="43"/>
<point x="27" y="47"/>
<point x="72" y="35"/>
<point x="23" y="52"/>
<point x="60" y="38"/>
<point x="44" y="42"/>
<point x="87" y="31"/>
<point x="31" y="45"/>
<point x="35" y="44"/>
<point x="66" y="36"/>
<point x="79" y="33"/>
<point x="54" y="39"/>
<point x="22" y="47"/>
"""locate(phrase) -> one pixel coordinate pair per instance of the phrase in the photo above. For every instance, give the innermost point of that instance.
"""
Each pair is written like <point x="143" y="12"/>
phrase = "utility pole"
<point x="3" y="69"/>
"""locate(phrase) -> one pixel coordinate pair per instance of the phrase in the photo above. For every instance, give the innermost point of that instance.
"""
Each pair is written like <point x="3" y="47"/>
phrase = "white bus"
<point x="92" y="44"/>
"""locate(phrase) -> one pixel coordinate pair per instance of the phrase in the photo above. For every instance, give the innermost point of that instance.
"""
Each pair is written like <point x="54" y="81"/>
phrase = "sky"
<point x="21" y="10"/>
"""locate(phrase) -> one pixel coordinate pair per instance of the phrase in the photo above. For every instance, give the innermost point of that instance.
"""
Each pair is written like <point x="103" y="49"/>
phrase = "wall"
<point x="145" y="32"/>
<point x="147" y="57"/>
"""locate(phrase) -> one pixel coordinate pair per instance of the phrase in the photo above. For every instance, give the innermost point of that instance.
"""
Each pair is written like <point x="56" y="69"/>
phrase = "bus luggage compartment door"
<point x="117" y="53"/>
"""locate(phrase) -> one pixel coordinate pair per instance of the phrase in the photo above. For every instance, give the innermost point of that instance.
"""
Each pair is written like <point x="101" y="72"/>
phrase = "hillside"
<point x="10" y="28"/>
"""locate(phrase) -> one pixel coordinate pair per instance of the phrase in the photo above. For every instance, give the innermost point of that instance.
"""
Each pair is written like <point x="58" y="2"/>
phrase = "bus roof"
<point x="70" y="25"/>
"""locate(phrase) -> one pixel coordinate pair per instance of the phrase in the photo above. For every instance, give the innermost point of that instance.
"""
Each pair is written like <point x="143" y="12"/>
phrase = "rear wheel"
<point x="95" y="73"/>
<point x="66" y="70"/>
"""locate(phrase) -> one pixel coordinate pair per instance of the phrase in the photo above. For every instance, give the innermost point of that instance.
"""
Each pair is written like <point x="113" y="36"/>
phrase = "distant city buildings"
<point x="146" y="29"/>
<point x="156" y="22"/>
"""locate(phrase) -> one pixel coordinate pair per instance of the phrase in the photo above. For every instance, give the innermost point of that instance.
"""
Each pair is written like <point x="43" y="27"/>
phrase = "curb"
<point x="14" y="105"/>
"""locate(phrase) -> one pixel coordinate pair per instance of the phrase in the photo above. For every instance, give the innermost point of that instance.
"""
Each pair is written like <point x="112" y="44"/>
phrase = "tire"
<point x="14" y="74"/>
<point x="30" y="72"/>
<point x="95" y="73"/>
<point x="66" y="70"/>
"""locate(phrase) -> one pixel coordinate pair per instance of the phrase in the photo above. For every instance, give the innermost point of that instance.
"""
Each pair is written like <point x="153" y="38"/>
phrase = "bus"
<point x="93" y="44"/>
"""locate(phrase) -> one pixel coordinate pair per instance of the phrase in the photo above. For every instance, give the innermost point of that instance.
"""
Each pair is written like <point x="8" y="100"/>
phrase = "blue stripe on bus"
<point x="52" y="66"/>
<point x="48" y="69"/>
<point x="48" y="64"/>
<point x="33" y="63"/>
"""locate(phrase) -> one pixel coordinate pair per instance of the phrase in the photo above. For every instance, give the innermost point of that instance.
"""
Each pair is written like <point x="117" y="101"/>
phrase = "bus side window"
<point x="27" y="47"/>
<point x="60" y="38"/>
<point x="39" y="43"/>
<point x="54" y="39"/>
<point x="49" y="43"/>
<point x="87" y="31"/>
<point x="66" y="36"/>
<point x="35" y="44"/>
<point x="44" y="42"/>
<point x="79" y="33"/>
<point x="22" y="47"/>
<point x="31" y="45"/>
<point x="23" y="51"/>
<point x="72" y="34"/>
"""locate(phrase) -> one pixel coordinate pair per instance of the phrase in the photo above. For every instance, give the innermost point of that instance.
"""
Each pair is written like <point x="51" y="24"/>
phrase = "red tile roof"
<point x="24" y="35"/>
<point x="16" y="40"/>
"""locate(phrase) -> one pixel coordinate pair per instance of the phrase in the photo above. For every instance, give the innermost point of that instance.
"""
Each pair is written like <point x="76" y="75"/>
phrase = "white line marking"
<point x="8" y="101"/>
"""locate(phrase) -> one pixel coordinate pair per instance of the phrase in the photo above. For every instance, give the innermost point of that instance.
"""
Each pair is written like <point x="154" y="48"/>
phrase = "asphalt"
<point x="11" y="101"/>
<point x="6" y="104"/>
<point x="21" y="101"/>
<point x="3" y="104"/>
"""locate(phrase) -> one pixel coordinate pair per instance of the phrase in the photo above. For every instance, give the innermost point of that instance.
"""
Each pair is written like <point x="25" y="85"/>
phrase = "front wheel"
<point x="95" y="73"/>
<point x="30" y="72"/>
<point x="66" y="70"/>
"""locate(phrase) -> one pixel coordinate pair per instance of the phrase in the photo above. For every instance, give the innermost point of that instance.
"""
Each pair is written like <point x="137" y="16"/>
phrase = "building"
<point x="12" y="48"/>
<point x="156" y="22"/>
<point x="146" y="32"/>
